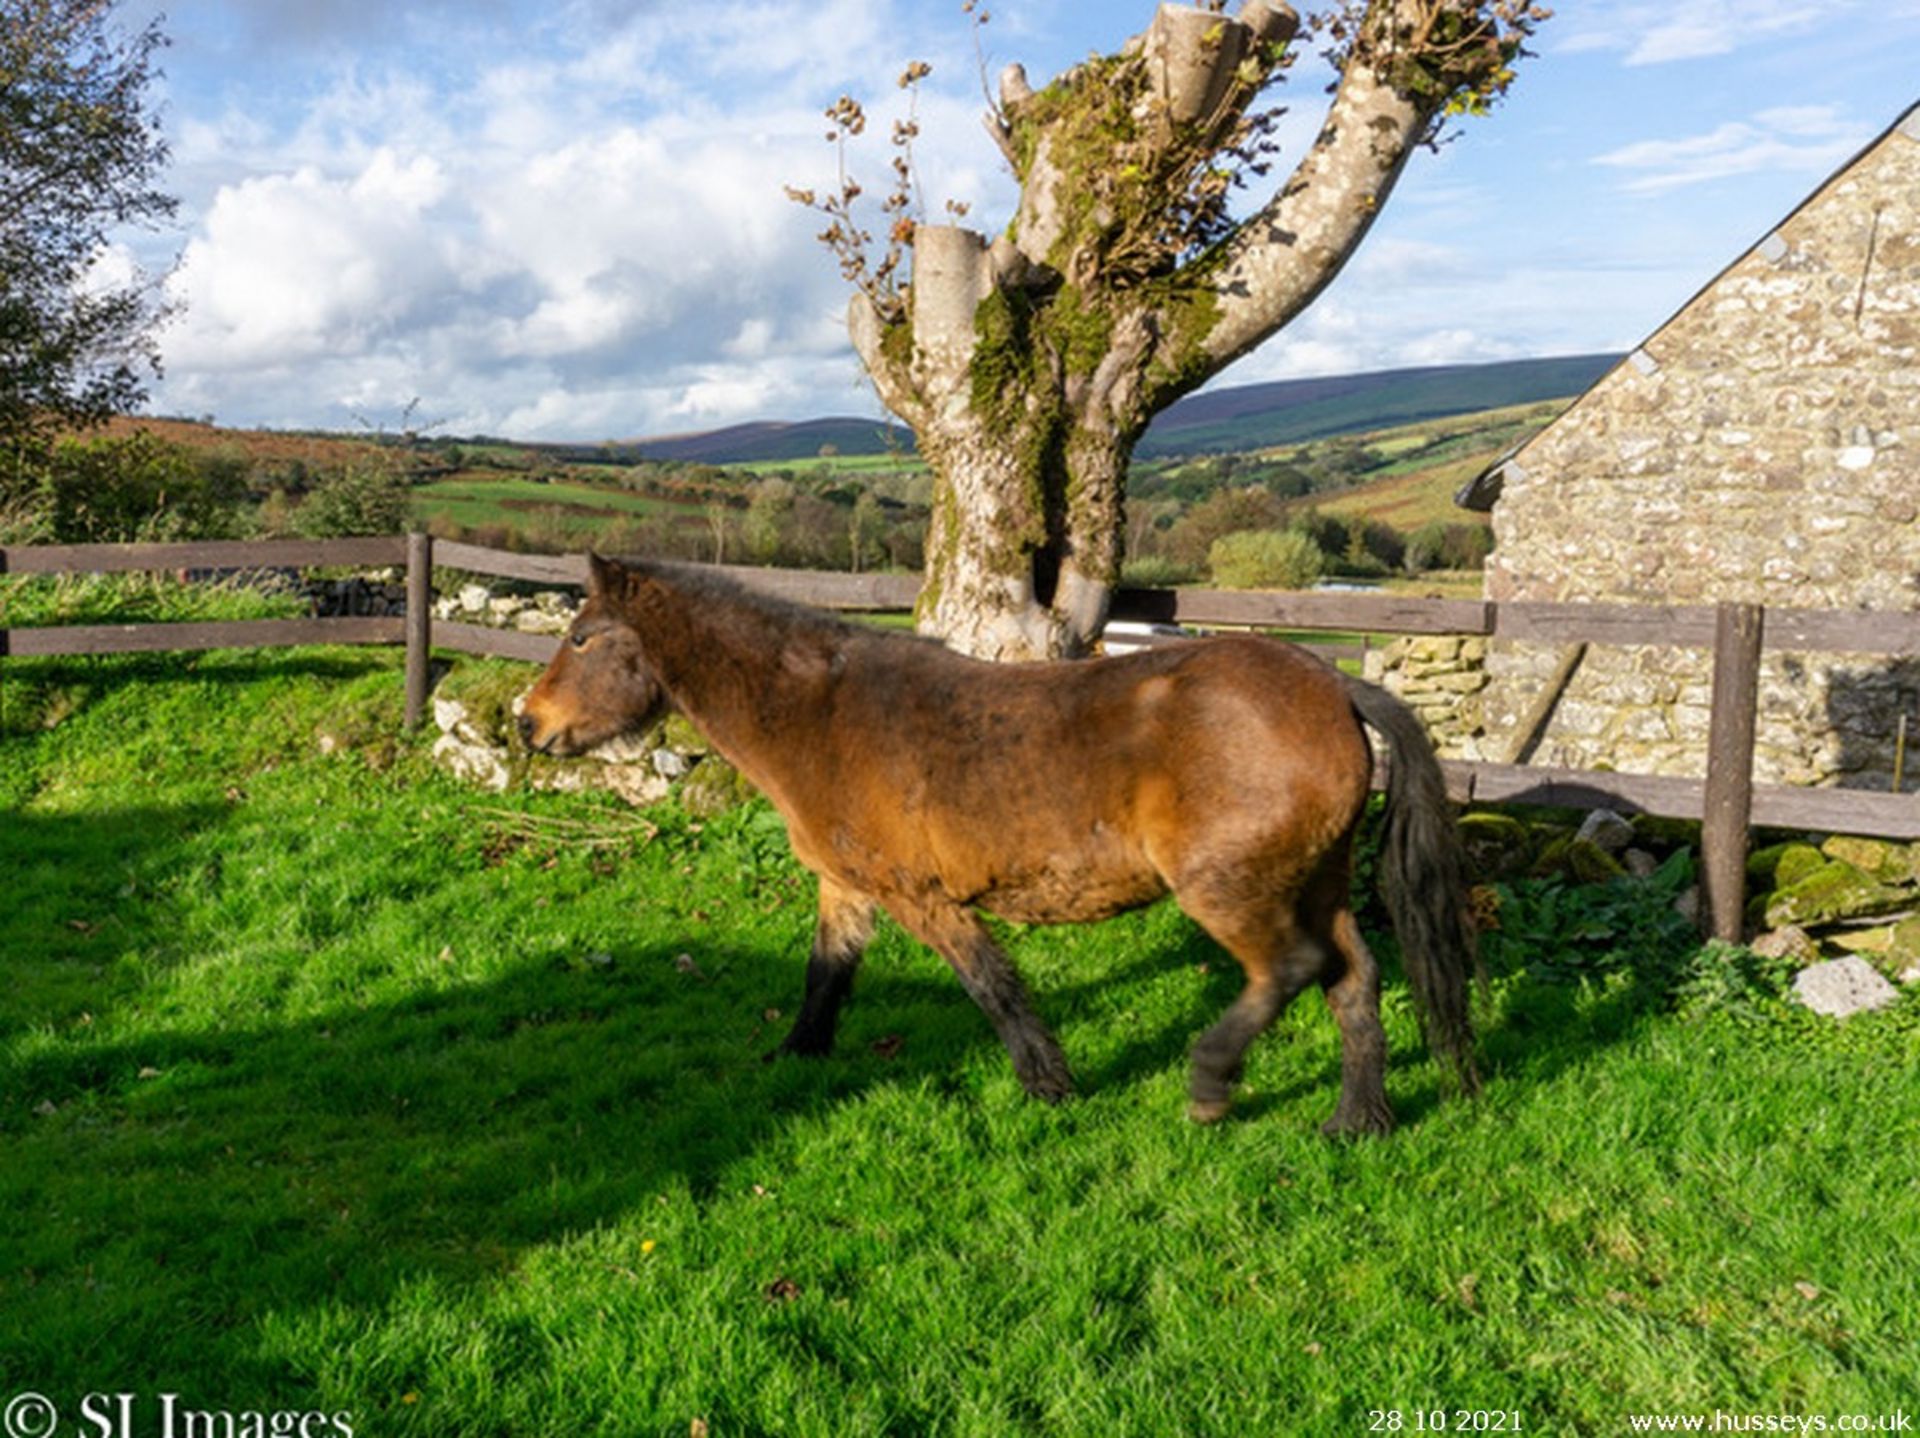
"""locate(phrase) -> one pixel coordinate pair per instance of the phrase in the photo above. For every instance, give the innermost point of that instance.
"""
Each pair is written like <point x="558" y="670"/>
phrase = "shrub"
<point x="1224" y="512"/>
<point x="135" y="487"/>
<point x="1266" y="559"/>
<point x="1448" y="546"/>
<point x="1155" y="571"/>
<point x="362" y="499"/>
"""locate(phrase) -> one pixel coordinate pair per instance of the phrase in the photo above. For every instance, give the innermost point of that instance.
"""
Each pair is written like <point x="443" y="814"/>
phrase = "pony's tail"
<point x="1423" y="879"/>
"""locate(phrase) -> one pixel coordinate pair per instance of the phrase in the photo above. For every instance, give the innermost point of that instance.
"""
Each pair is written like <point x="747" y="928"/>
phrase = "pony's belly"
<point x="1070" y="895"/>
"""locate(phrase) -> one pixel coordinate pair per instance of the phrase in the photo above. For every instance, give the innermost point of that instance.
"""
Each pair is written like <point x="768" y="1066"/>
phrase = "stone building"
<point x="1763" y="445"/>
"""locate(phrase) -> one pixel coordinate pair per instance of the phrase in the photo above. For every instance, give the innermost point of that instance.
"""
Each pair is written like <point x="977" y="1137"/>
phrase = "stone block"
<point x="1843" y="987"/>
<point x="1790" y="942"/>
<point x="1607" y="829"/>
<point x="1889" y="862"/>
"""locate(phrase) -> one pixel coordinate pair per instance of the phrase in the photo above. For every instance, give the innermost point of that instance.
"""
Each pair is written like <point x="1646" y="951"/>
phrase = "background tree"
<point x="78" y="154"/>
<point x="1029" y="365"/>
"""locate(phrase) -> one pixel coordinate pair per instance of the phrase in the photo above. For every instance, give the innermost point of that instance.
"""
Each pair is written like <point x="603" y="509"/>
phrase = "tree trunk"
<point x="1029" y="367"/>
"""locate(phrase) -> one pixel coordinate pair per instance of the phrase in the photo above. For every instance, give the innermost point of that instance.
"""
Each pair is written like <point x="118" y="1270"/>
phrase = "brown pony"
<point x="1231" y="773"/>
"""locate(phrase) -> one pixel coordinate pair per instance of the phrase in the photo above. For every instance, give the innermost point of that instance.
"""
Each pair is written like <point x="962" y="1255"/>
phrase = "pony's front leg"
<point x="959" y="937"/>
<point x="839" y="939"/>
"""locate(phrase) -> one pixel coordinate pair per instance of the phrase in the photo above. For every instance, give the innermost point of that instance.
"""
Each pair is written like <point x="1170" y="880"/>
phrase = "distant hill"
<point x="1255" y="416"/>
<point x="1224" y="421"/>
<point x="771" y="440"/>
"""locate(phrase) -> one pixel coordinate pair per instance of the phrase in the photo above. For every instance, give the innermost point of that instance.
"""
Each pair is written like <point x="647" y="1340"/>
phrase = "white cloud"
<point x="1655" y="34"/>
<point x="1806" y="139"/>
<point x="289" y="267"/>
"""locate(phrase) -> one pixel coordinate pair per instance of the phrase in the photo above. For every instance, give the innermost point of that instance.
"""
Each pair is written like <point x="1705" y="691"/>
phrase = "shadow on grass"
<point x="176" y="1179"/>
<point x="89" y="678"/>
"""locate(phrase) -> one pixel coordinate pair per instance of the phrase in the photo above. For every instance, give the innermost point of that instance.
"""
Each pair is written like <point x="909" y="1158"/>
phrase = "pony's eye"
<point x="578" y="640"/>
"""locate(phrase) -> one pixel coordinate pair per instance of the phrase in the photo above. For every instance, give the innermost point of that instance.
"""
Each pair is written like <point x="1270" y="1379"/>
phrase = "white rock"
<point x="1843" y="987"/>
<point x="448" y="714"/>
<point x="474" y="597"/>
<point x="636" y="785"/>
<point x="670" y="763"/>
<point x="621" y="749"/>
<point x="539" y="621"/>
<point x="475" y="763"/>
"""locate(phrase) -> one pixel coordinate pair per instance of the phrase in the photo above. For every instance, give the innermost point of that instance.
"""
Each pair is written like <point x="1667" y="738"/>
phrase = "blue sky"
<point x="566" y="220"/>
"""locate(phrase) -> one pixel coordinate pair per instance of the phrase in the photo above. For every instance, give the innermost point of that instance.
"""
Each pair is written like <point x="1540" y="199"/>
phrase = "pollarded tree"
<point x="79" y="150"/>
<point x="1029" y="365"/>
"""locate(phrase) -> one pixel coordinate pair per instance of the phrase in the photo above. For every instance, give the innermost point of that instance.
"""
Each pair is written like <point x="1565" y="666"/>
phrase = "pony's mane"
<point x="723" y="591"/>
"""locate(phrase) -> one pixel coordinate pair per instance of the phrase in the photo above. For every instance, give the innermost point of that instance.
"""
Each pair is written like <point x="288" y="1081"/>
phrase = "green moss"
<point x="1498" y="846"/>
<point x="1834" y="890"/>
<point x="1781" y="865"/>
<point x="487" y="692"/>
<point x="1892" y="863"/>
<point x="1581" y="860"/>
<point x="713" y="787"/>
<point x="1080" y="332"/>
<point x="1002" y="368"/>
<point x="678" y="733"/>
<point x="1189" y="309"/>
<point x="896" y="345"/>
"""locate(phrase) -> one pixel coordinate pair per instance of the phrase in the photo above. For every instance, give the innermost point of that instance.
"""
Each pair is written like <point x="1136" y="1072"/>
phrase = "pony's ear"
<point x="602" y="574"/>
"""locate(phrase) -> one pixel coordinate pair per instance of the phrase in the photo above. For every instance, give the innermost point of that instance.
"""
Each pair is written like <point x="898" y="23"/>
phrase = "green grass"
<point x="580" y="509"/>
<point x="322" y="1088"/>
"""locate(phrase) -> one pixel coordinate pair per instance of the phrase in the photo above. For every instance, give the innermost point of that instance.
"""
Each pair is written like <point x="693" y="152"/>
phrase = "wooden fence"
<point x="1725" y="800"/>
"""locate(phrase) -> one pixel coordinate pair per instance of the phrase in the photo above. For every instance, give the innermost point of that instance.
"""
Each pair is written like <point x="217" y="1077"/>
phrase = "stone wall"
<point x="548" y="611"/>
<point x="1762" y="446"/>
<point x="1442" y="679"/>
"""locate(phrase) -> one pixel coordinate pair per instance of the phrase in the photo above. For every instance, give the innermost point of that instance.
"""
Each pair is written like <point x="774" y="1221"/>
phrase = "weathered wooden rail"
<point x="1725" y="800"/>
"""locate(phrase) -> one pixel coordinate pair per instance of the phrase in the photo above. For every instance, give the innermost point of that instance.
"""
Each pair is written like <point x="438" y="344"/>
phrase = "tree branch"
<point x="1276" y="263"/>
<point x="895" y="388"/>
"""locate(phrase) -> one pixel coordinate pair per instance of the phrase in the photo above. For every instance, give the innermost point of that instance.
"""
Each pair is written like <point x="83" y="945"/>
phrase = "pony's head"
<point x="599" y="684"/>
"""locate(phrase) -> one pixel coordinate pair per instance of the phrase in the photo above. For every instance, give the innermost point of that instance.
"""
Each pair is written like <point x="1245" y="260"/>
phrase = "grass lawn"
<point x="323" y="1086"/>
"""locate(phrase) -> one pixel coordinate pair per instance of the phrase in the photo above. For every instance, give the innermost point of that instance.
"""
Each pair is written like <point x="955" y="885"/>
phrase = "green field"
<point x="852" y="464"/>
<point x="328" y="1084"/>
<point x="574" y="510"/>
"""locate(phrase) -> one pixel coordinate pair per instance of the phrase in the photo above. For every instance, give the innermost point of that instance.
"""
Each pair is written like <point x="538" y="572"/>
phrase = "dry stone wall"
<point x="1442" y="679"/>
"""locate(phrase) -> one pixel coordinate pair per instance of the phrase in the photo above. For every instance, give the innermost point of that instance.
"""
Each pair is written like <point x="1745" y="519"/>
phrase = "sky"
<point x="565" y="219"/>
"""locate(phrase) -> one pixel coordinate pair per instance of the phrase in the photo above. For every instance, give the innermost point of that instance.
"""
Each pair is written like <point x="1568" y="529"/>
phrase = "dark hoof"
<point x="1208" y="1110"/>
<point x="1359" y="1122"/>
<point x="806" y="1046"/>
<point x="1048" y="1087"/>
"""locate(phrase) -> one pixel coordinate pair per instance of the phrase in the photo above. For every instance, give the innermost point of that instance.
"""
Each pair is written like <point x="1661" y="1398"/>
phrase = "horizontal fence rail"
<point x="1725" y="801"/>
<point x="235" y="554"/>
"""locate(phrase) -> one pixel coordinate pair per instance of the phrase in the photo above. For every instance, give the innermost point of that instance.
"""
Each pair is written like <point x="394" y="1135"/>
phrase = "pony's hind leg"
<point x="986" y="973"/>
<point x="1352" y="984"/>
<point x="1279" y="959"/>
<point x="839" y="939"/>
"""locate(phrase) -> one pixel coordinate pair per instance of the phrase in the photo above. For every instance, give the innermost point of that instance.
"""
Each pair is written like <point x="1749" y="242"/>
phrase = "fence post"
<point x="1729" y="788"/>
<point x="419" y="623"/>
